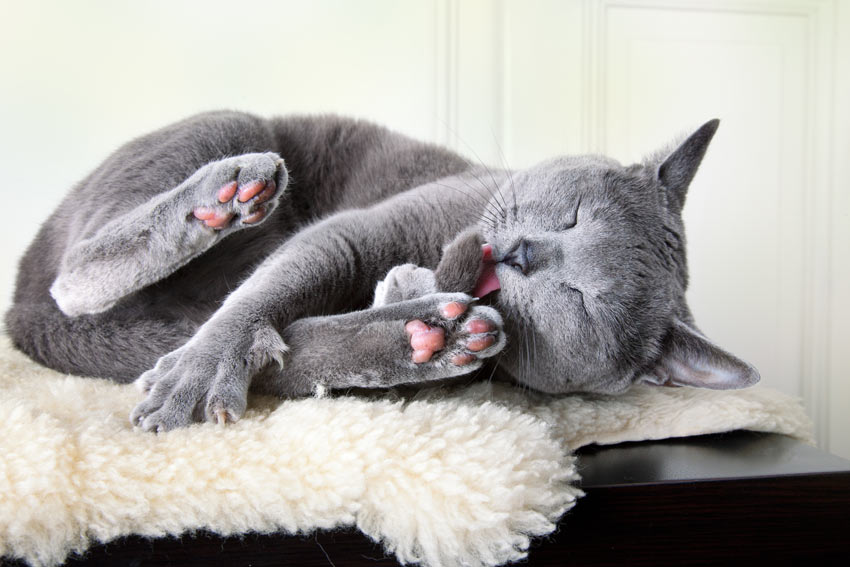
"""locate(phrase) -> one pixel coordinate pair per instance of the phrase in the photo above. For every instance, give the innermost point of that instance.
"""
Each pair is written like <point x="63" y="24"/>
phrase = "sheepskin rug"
<point x="448" y="477"/>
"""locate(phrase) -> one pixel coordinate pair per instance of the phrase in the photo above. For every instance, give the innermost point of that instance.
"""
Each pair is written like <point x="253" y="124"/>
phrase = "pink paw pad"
<point x="257" y="192"/>
<point x="463" y="359"/>
<point x="227" y="192"/>
<point x="266" y="193"/>
<point x="425" y="340"/>
<point x="453" y="310"/>
<point x="478" y="326"/>
<point x="476" y="345"/>
<point x="256" y="216"/>
<point x="250" y="190"/>
<point x="213" y="218"/>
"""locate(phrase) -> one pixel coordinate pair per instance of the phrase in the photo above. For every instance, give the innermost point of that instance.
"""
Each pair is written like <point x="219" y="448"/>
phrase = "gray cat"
<point x="229" y="251"/>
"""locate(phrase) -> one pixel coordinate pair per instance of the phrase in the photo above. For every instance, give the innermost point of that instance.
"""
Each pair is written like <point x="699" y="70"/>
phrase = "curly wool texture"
<point x="453" y="477"/>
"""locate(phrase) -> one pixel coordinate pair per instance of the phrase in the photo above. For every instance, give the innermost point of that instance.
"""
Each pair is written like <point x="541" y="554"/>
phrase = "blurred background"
<point x="504" y="82"/>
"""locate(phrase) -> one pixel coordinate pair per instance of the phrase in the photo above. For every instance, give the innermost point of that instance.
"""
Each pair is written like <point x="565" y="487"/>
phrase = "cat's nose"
<point x="518" y="257"/>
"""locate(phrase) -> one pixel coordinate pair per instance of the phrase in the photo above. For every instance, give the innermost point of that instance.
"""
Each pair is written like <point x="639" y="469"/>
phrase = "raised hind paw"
<point x="151" y="241"/>
<point x="236" y="192"/>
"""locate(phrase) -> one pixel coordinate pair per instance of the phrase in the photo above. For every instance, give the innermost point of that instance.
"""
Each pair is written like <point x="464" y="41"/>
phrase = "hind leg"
<point x="156" y="238"/>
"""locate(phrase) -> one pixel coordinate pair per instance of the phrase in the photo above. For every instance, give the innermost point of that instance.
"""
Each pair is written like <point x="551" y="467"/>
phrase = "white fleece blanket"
<point x="464" y="476"/>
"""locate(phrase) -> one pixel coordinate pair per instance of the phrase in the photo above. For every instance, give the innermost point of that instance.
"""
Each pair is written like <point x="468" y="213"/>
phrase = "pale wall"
<point x="511" y="81"/>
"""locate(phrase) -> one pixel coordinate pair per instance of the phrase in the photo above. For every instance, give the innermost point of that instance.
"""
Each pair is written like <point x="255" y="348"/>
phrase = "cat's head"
<point x="592" y="267"/>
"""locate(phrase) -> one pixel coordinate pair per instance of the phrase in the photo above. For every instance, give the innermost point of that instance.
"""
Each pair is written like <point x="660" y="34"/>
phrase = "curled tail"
<point x="118" y="346"/>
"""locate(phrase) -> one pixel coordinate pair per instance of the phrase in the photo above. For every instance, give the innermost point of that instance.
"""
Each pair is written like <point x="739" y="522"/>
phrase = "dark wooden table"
<point x="736" y="498"/>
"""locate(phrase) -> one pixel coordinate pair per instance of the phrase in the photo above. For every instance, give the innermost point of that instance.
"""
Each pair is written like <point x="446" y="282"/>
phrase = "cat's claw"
<point x="223" y="417"/>
<point x="453" y="309"/>
<point x="206" y="379"/>
<point x="183" y="389"/>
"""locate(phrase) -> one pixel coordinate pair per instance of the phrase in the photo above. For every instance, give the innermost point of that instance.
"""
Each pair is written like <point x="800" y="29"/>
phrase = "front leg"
<point x="430" y="338"/>
<point x="324" y="268"/>
<point x="321" y="269"/>
<point x="209" y="376"/>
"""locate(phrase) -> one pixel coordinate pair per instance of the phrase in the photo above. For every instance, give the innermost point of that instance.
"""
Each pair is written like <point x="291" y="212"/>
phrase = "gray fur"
<point x="153" y="240"/>
<point x="122" y="280"/>
<point x="407" y="281"/>
<point x="458" y="268"/>
<point x="371" y="348"/>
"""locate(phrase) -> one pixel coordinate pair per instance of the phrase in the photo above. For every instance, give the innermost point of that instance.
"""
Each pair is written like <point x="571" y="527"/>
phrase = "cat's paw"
<point x="181" y="389"/>
<point x="404" y="282"/>
<point x="435" y="337"/>
<point x="461" y="336"/>
<point x="205" y="379"/>
<point x="237" y="192"/>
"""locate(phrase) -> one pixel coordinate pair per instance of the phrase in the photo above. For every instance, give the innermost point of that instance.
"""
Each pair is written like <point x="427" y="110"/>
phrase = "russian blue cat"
<point x="298" y="254"/>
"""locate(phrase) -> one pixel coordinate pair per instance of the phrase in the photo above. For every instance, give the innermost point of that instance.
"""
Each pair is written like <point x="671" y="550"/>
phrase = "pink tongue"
<point x="487" y="281"/>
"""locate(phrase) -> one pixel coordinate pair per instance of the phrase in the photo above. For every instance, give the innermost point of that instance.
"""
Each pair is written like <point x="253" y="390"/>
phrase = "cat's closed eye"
<point x="573" y="221"/>
<point x="575" y="293"/>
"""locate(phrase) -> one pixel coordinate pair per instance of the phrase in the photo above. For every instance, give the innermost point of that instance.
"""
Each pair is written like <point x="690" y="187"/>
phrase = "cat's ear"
<point x="678" y="168"/>
<point x="690" y="359"/>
